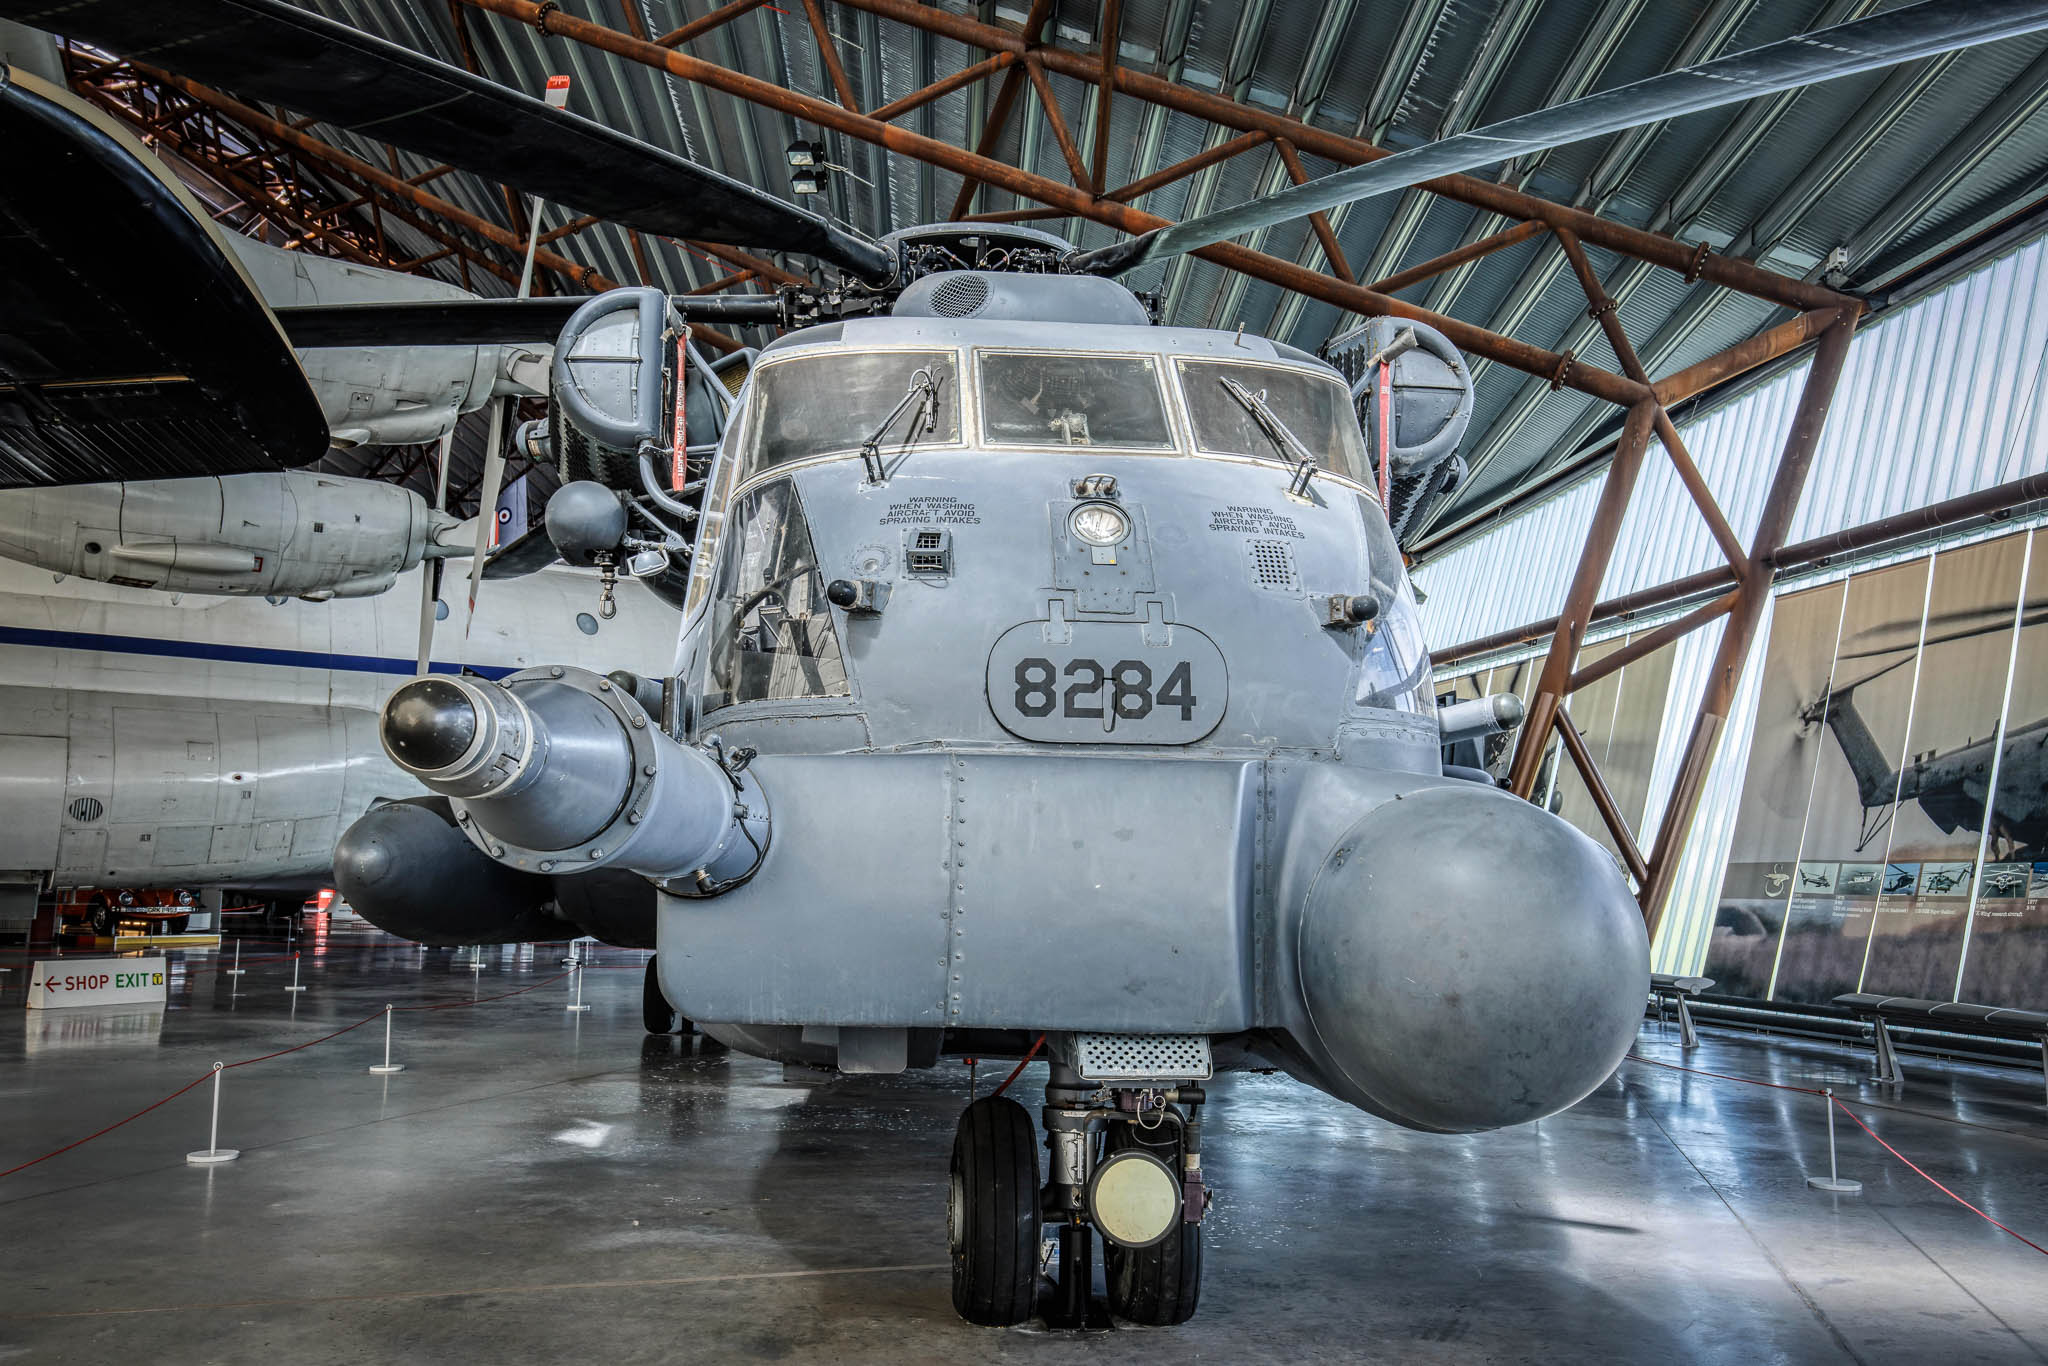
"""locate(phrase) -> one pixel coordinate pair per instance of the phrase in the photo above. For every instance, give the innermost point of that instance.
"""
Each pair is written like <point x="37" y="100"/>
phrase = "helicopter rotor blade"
<point x="274" y="51"/>
<point x="1882" y="40"/>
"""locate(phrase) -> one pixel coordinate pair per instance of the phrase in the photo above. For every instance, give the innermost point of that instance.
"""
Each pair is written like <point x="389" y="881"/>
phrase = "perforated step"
<point x="1142" y="1057"/>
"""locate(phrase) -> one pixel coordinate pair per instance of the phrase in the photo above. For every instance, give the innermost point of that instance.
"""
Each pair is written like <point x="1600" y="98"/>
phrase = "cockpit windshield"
<point x="830" y="403"/>
<point x="1317" y="410"/>
<point x="1040" y="398"/>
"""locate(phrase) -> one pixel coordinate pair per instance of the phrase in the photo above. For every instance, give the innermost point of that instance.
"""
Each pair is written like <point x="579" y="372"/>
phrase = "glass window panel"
<point x="1316" y="408"/>
<point x="1061" y="399"/>
<point x="772" y="636"/>
<point x="830" y="404"/>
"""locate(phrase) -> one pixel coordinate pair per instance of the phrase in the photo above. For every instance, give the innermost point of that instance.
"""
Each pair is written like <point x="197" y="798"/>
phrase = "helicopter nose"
<point x="429" y="724"/>
<point x="1470" y="961"/>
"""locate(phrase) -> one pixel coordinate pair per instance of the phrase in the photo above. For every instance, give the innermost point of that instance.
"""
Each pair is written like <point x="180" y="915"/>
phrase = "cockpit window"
<point x="1316" y="409"/>
<point x="1061" y="399"/>
<point x="1395" y="673"/>
<point x="771" y="629"/>
<point x="830" y="404"/>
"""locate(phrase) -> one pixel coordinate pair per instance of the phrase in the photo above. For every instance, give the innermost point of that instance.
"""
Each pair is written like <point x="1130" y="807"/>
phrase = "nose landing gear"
<point x="1124" y="1162"/>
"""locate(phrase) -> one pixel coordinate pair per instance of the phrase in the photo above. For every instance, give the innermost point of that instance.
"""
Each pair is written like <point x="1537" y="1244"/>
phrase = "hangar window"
<point x="1316" y="408"/>
<point x="772" y="636"/>
<point x="829" y="403"/>
<point x="1048" y="398"/>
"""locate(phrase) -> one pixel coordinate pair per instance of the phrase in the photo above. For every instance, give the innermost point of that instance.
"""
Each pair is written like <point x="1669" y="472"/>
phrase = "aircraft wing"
<point x="135" y="347"/>
<point x="271" y="50"/>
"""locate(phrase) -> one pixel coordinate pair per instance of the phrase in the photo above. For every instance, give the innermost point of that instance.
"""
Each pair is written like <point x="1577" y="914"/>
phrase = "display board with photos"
<point x="1870" y="851"/>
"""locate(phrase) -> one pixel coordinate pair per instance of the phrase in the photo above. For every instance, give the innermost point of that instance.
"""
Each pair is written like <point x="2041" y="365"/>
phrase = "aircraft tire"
<point x="655" y="1012"/>
<point x="103" y="918"/>
<point x="177" y="924"/>
<point x="992" y="1218"/>
<point x="1160" y="1285"/>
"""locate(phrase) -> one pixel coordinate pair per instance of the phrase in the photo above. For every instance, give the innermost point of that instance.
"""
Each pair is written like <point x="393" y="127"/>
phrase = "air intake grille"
<point x="1142" y="1057"/>
<point x="959" y="296"/>
<point x="1272" y="565"/>
<point x="86" y="809"/>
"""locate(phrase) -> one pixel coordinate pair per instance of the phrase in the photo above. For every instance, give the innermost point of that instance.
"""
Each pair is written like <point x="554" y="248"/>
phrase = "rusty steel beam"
<point x="1696" y="487"/>
<point x="992" y="130"/>
<point x="1603" y="796"/>
<point x="835" y="69"/>
<point x="1780" y="503"/>
<point x="1187" y="166"/>
<point x="1747" y="354"/>
<point x="1060" y="133"/>
<point x="1016" y="216"/>
<point x="733" y="281"/>
<point x="1692" y="259"/>
<point x="1563" y="371"/>
<point x="697" y="28"/>
<point x="1319" y="221"/>
<point x="1451" y="260"/>
<point x="570" y="228"/>
<point x="1650" y="642"/>
<point x="967" y="76"/>
<point x="733" y="256"/>
<point x="1105" y="86"/>
<point x="1554" y="682"/>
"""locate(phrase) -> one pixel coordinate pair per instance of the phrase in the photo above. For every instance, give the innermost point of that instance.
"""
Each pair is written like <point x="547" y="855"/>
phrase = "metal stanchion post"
<point x="295" y="975"/>
<point x="476" y="958"/>
<point x="387" y="1067"/>
<point x="577" y="1004"/>
<point x="1833" y="1181"/>
<point x="213" y="1152"/>
<point x="237" y="969"/>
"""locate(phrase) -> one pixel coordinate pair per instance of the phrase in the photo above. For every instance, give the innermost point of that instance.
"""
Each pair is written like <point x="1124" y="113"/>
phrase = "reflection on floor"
<point x="541" y="1185"/>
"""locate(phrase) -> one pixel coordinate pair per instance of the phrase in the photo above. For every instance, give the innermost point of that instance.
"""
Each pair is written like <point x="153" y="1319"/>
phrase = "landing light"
<point x="1099" y="524"/>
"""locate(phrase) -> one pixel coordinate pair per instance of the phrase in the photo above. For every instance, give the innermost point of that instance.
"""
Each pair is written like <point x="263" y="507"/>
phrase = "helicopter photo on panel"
<point x="1051" y="686"/>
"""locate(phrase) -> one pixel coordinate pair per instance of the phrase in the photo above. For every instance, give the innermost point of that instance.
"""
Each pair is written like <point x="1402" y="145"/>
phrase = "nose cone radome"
<point x="429" y="724"/>
<point x="1470" y="961"/>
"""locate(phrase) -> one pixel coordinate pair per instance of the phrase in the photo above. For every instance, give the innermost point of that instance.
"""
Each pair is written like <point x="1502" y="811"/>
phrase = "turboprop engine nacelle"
<point x="291" y="534"/>
<point x="558" y="770"/>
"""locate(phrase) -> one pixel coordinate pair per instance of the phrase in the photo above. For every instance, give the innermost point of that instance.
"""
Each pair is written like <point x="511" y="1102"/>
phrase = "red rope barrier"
<point x="1019" y="1070"/>
<point x="1931" y="1181"/>
<point x="1836" y="1101"/>
<point x="266" y="1057"/>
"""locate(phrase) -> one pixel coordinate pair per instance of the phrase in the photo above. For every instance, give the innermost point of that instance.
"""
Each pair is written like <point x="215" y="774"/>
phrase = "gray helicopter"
<point x="1050" y="685"/>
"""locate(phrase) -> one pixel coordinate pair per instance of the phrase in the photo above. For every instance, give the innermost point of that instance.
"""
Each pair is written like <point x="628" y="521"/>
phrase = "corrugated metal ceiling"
<point x="1961" y="141"/>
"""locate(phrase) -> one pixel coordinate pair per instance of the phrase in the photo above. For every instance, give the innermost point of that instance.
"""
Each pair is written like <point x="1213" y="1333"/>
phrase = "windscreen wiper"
<point x="924" y="391"/>
<point x="1289" y="444"/>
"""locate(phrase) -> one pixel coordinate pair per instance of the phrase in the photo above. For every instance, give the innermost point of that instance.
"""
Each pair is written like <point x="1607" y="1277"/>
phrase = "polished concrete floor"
<point x="543" y="1185"/>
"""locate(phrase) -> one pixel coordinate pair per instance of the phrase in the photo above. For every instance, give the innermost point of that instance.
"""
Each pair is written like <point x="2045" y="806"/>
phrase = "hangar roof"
<point x="1859" y="183"/>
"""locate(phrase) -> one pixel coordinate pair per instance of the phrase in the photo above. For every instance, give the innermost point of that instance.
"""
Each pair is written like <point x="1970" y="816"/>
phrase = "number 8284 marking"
<point x="1107" y="683"/>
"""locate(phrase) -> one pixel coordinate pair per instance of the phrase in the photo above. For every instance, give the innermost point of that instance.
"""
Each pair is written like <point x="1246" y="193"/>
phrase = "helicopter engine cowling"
<point x="1446" y="1001"/>
<point x="559" y="770"/>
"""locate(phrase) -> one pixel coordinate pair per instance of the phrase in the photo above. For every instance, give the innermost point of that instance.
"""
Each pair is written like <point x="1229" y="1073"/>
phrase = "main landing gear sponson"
<point x="655" y="1012"/>
<point x="1128" y="1170"/>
